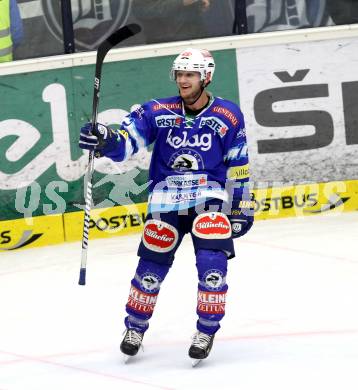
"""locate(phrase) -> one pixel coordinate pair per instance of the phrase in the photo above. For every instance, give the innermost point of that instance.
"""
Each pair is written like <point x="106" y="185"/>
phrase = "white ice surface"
<point x="291" y="323"/>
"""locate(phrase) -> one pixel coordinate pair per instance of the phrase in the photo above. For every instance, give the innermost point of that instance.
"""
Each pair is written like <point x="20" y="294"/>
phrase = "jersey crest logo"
<point x="184" y="163"/>
<point x="186" y="160"/>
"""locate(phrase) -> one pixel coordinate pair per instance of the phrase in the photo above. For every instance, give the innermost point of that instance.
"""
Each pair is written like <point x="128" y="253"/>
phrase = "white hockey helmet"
<point x="194" y="60"/>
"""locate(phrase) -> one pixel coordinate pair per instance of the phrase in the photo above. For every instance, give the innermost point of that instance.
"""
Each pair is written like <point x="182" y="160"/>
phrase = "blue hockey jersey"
<point x="193" y="159"/>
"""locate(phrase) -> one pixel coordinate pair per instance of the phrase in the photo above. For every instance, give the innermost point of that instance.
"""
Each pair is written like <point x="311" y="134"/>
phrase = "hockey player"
<point x="199" y="185"/>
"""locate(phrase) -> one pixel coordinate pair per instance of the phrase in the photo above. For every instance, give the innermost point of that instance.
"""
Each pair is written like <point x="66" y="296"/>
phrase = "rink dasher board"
<point x="273" y="202"/>
<point x="38" y="145"/>
<point x="62" y="89"/>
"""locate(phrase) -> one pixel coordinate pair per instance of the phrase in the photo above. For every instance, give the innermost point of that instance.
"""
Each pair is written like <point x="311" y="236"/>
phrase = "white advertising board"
<point x="300" y="102"/>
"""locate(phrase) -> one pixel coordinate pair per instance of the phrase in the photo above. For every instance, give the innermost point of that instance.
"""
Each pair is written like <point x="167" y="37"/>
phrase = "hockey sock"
<point x="212" y="288"/>
<point x="143" y="293"/>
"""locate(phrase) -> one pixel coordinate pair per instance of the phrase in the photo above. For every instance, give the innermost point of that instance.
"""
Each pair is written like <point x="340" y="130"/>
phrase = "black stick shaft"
<point x="117" y="37"/>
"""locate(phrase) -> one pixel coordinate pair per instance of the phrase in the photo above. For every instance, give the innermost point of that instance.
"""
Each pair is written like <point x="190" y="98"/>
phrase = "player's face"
<point x="189" y="85"/>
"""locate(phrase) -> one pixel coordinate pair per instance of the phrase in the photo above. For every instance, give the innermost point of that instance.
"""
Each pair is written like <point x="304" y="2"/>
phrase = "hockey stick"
<point x="119" y="36"/>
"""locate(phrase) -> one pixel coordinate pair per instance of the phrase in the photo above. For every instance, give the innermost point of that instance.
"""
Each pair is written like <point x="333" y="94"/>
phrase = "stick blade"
<point x="124" y="33"/>
<point x="118" y="36"/>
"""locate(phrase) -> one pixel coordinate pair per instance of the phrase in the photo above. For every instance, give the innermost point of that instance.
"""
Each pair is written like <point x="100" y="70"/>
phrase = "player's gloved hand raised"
<point x="241" y="217"/>
<point x="101" y="139"/>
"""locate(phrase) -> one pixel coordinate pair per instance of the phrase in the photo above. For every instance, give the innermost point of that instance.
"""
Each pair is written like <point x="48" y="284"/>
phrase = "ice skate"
<point x="200" y="347"/>
<point x="131" y="343"/>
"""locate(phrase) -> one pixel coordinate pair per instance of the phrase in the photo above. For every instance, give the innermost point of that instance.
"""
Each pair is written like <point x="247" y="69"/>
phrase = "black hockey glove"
<point x="102" y="139"/>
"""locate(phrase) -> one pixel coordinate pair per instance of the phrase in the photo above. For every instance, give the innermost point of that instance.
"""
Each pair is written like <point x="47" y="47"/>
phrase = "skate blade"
<point x="195" y="362"/>
<point x="126" y="358"/>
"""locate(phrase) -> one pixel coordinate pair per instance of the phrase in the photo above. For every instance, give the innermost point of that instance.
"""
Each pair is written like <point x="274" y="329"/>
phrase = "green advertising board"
<point x="42" y="169"/>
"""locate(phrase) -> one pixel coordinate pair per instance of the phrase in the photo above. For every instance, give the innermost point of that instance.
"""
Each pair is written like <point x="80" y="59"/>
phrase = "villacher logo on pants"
<point x="159" y="236"/>
<point x="212" y="225"/>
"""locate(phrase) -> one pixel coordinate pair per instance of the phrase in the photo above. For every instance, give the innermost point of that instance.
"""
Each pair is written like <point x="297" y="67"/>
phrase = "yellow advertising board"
<point x="114" y="221"/>
<point x="274" y="202"/>
<point x="31" y="232"/>
<point x="306" y="199"/>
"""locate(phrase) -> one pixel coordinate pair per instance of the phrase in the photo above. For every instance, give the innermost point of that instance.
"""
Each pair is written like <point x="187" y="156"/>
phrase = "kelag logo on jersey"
<point x="168" y="121"/>
<point x="202" y="141"/>
<point x="215" y="124"/>
<point x="92" y="19"/>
